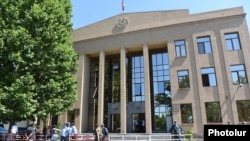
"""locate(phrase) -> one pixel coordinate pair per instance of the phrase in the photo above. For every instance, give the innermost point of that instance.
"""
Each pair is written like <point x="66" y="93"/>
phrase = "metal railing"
<point x="137" y="137"/>
<point x="112" y="137"/>
<point x="21" y="137"/>
<point x="152" y="137"/>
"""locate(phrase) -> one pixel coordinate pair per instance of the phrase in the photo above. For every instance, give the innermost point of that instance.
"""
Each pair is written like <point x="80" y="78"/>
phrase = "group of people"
<point x="52" y="133"/>
<point x="67" y="131"/>
<point x="101" y="133"/>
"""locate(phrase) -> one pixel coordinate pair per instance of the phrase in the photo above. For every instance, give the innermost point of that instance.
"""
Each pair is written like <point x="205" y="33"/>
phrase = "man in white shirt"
<point x="14" y="130"/>
<point x="72" y="130"/>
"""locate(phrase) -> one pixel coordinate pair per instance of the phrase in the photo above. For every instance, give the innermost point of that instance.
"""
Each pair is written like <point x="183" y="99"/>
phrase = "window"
<point x="208" y="77"/>
<point x="232" y="41"/>
<point x="161" y="75"/>
<point x="137" y="89"/>
<point x="238" y="74"/>
<point x="160" y="88"/>
<point x="180" y="48"/>
<point x="138" y="78"/>
<point x="243" y="108"/>
<point x="116" y="80"/>
<point x="183" y="79"/>
<point x="112" y="78"/>
<point x="93" y="77"/>
<point x="204" y="45"/>
<point x="213" y="112"/>
<point x="186" y="113"/>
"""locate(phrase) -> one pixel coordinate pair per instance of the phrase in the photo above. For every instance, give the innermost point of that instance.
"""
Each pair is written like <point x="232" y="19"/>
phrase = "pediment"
<point x="132" y="22"/>
<point x="127" y="22"/>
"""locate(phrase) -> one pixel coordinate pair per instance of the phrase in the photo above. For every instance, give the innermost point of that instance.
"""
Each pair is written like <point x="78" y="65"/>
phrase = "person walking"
<point x="176" y="131"/>
<point x="64" y="132"/>
<point x="54" y="133"/>
<point x="97" y="132"/>
<point x="31" y="132"/>
<point x="72" y="130"/>
<point x="104" y="133"/>
<point x="14" y="131"/>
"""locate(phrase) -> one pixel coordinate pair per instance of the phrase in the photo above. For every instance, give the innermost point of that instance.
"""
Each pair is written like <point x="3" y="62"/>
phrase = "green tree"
<point x="37" y="60"/>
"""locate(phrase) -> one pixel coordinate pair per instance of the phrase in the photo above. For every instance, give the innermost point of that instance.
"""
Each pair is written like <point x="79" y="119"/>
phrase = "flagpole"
<point x="123" y="6"/>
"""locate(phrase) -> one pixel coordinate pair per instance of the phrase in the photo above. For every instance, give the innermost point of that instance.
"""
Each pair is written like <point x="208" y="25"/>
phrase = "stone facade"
<point x="145" y="31"/>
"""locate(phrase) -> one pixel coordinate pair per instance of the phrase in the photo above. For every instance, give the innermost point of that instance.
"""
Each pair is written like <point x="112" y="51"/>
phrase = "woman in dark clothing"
<point x="53" y="133"/>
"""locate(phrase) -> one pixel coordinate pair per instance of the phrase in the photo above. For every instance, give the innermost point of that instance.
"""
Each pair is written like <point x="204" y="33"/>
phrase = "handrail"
<point x="21" y="137"/>
<point x="152" y="137"/>
<point x="136" y="137"/>
<point x="112" y="137"/>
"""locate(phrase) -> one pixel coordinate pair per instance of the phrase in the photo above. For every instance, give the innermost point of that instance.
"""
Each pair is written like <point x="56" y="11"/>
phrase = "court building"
<point x="138" y="72"/>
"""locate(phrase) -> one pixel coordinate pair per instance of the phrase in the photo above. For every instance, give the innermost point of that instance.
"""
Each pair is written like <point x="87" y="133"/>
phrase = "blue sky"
<point x="87" y="12"/>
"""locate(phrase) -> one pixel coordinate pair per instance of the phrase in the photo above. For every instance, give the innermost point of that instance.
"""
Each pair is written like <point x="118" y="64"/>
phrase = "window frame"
<point x="212" y="112"/>
<point x="238" y="72"/>
<point x="243" y="110"/>
<point x="182" y="77"/>
<point x="180" y="48"/>
<point x="209" y="75"/>
<point x="233" y="41"/>
<point x="137" y="78"/>
<point x="186" y="118"/>
<point x="205" y="44"/>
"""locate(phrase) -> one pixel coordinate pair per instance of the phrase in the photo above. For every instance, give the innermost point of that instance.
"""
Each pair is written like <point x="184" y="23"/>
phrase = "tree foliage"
<point x="37" y="60"/>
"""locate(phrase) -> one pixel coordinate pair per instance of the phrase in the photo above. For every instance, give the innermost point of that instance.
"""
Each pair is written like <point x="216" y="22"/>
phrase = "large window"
<point x="183" y="79"/>
<point x="112" y="79"/>
<point x="111" y="85"/>
<point x="93" y="91"/>
<point x="186" y="113"/>
<point x="161" y="89"/>
<point x="238" y="74"/>
<point x="232" y="41"/>
<point x="138" y="78"/>
<point x="208" y="77"/>
<point x="204" y="45"/>
<point x="160" y="73"/>
<point x="180" y="48"/>
<point x="243" y="108"/>
<point x="213" y="112"/>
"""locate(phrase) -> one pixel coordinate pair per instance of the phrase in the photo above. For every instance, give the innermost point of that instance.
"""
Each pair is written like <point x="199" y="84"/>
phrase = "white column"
<point x="147" y="90"/>
<point x="100" y="113"/>
<point x="82" y="92"/>
<point x="123" y="87"/>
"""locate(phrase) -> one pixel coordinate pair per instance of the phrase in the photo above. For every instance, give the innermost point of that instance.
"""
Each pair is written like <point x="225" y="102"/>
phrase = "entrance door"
<point x="115" y="123"/>
<point x="139" y="123"/>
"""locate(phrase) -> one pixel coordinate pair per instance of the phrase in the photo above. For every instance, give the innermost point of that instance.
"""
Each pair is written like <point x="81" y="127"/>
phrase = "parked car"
<point x="3" y="133"/>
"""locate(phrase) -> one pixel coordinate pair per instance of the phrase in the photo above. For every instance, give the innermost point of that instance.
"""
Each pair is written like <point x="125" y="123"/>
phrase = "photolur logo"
<point x="241" y="132"/>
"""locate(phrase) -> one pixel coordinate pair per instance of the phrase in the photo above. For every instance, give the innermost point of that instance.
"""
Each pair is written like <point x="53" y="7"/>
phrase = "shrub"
<point x="189" y="135"/>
